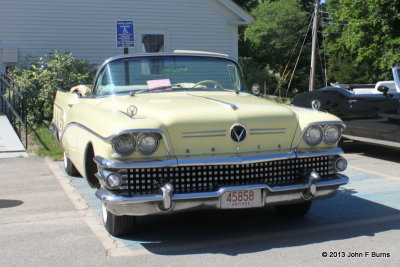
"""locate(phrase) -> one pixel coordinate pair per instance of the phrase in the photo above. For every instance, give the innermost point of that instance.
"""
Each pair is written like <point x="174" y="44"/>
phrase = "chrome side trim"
<point x="174" y="162"/>
<point x="372" y="141"/>
<point x="267" y="133"/>
<point x="201" y="136"/>
<point x="204" y="132"/>
<point x="233" y="106"/>
<point x="268" y="129"/>
<point x="216" y="133"/>
<point x="82" y="127"/>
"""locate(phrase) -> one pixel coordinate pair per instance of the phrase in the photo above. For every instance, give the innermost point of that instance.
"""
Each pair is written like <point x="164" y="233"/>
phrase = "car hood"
<point x="200" y="123"/>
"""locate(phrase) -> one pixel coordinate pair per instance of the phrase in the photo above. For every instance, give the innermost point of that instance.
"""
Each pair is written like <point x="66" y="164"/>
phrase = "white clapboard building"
<point x="87" y="28"/>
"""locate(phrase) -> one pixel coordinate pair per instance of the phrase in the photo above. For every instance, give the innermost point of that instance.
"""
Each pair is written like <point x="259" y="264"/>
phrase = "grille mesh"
<point x="206" y="178"/>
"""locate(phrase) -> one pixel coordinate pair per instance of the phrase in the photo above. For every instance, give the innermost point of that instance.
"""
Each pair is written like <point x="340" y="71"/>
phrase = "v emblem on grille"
<point x="238" y="133"/>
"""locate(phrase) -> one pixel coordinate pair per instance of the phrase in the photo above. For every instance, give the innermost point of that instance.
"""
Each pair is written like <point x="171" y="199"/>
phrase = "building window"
<point x="153" y="43"/>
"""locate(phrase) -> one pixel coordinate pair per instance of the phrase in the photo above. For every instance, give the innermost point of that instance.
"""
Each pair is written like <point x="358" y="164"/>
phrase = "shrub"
<point x="42" y="77"/>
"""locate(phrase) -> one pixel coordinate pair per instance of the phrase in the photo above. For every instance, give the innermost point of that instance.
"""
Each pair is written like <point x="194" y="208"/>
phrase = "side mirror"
<point x="256" y="89"/>
<point x="383" y="89"/>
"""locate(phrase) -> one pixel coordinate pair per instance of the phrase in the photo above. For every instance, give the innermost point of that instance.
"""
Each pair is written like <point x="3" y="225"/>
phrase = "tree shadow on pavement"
<point x="373" y="151"/>
<point x="9" y="203"/>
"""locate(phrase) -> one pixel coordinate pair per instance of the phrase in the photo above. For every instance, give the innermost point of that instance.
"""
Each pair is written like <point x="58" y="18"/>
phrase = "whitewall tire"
<point x="117" y="225"/>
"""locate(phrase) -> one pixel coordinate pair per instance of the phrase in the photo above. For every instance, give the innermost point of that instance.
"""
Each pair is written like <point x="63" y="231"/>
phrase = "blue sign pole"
<point x="125" y="39"/>
<point x="125" y="35"/>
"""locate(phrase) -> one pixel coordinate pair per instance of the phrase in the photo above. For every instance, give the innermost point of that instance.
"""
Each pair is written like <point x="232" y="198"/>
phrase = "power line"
<point x="298" y="58"/>
<point x="286" y="70"/>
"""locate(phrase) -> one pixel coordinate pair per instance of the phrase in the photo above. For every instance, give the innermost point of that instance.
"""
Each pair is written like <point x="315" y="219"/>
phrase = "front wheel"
<point x="293" y="210"/>
<point x="117" y="225"/>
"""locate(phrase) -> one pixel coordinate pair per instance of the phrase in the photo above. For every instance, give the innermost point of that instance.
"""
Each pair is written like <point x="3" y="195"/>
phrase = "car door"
<point x="374" y="116"/>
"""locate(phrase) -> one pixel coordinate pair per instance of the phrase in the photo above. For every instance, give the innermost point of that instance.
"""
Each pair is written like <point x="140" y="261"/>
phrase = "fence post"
<point x="13" y="103"/>
<point x="1" y="96"/>
<point x="25" y="117"/>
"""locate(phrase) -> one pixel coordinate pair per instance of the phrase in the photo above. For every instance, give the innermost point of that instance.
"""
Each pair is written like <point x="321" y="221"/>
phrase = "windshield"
<point x="143" y="74"/>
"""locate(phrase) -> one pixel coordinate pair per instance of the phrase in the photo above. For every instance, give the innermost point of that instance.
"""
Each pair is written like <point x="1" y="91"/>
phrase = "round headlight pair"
<point x="126" y="144"/>
<point x="330" y="134"/>
<point x="147" y="143"/>
<point x="313" y="135"/>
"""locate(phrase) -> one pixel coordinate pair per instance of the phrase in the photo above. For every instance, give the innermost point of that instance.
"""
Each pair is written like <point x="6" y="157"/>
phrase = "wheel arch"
<point x="90" y="167"/>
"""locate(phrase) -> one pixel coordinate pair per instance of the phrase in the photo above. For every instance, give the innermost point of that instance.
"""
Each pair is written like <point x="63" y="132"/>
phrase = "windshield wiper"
<point x="133" y="93"/>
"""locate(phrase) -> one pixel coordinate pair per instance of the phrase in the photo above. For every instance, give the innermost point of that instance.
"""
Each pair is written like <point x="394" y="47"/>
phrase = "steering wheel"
<point x="216" y="84"/>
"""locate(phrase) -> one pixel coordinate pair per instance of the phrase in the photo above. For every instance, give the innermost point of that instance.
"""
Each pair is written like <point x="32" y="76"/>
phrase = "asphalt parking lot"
<point x="49" y="218"/>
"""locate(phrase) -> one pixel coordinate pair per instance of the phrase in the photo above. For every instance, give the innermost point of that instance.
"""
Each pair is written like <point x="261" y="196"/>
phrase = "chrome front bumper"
<point x="169" y="202"/>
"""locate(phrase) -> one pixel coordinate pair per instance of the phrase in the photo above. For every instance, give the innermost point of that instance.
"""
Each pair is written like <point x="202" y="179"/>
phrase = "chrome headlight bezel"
<point x="308" y="135"/>
<point x="340" y="164"/>
<point x="140" y="146"/>
<point x="326" y="137"/>
<point x="113" y="180"/>
<point x="116" y="144"/>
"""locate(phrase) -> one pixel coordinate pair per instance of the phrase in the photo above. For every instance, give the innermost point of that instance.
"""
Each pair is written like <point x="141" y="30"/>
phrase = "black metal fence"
<point x="13" y="104"/>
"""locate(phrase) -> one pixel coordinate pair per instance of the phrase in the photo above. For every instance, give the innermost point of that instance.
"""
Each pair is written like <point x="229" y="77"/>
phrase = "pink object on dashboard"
<point x="161" y="84"/>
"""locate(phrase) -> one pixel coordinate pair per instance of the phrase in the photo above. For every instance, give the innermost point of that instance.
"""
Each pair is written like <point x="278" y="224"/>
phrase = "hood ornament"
<point x="238" y="133"/>
<point x="130" y="111"/>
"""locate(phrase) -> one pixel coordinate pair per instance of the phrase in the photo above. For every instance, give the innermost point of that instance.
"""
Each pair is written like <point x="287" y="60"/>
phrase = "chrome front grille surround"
<point x="208" y="178"/>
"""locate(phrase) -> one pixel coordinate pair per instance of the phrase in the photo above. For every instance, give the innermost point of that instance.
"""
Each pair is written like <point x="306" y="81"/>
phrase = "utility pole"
<point x="311" y="86"/>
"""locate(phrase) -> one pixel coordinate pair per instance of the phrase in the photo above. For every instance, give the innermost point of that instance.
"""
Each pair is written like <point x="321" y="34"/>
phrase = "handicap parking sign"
<point x="125" y="34"/>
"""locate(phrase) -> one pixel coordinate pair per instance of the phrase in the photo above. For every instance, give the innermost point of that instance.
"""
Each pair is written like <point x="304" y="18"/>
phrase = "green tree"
<point x="363" y="40"/>
<point x="277" y="28"/>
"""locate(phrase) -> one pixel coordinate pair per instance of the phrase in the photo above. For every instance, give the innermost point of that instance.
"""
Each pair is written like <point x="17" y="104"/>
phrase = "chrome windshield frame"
<point x="147" y="55"/>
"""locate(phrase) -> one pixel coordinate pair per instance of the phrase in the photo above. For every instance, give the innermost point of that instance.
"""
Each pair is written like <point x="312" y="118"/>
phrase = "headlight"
<point x="147" y="143"/>
<point x="332" y="134"/>
<point x="313" y="135"/>
<point x="124" y="144"/>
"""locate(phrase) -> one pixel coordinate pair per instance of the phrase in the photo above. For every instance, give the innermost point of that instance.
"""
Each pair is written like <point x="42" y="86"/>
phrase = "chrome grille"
<point x="206" y="178"/>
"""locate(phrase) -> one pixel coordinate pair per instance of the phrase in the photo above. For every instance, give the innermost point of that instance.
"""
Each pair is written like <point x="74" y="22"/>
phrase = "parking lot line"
<point x="113" y="246"/>
<point x="379" y="174"/>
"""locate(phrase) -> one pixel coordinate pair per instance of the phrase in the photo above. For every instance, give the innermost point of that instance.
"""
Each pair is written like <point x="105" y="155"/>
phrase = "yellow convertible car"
<point x="170" y="132"/>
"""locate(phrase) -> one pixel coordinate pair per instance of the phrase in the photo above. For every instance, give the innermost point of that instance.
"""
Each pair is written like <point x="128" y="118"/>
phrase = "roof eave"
<point x="244" y="15"/>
